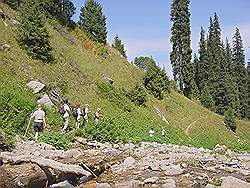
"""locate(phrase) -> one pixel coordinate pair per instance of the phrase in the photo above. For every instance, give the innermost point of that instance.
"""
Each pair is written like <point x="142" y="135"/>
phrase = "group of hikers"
<point x="39" y="116"/>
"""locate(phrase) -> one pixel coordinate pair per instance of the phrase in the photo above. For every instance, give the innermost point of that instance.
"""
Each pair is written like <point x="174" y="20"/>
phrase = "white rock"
<point x="35" y="86"/>
<point x="173" y="170"/>
<point x="128" y="162"/>
<point x="210" y="186"/>
<point x="45" y="100"/>
<point x="103" y="185"/>
<point x="129" y="184"/>
<point x="232" y="182"/>
<point x="169" y="183"/>
<point x="151" y="180"/>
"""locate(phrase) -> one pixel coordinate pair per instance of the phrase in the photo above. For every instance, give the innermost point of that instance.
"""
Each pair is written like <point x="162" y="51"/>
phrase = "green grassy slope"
<point x="81" y="65"/>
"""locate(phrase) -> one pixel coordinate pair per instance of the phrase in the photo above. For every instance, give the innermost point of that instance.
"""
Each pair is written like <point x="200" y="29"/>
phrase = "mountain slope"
<point x="82" y="65"/>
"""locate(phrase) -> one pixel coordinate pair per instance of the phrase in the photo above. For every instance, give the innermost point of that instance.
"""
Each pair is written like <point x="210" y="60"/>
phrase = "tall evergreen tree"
<point x="248" y="89"/>
<point x="240" y="72"/>
<point x="204" y="68"/>
<point x="63" y="10"/>
<point x="181" y="55"/>
<point x="144" y="62"/>
<point x="33" y="35"/>
<point x="93" y="21"/>
<point x="117" y="44"/>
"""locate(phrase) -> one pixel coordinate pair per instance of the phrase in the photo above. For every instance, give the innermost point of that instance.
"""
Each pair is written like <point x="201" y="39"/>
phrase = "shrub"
<point x="56" y="139"/>
<point x="114" y="95"/>
<point x="138" y="95"/>
<point x="230" y="119"/>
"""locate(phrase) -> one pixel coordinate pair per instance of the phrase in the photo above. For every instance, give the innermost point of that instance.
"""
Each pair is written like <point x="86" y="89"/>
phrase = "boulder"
<point x="169" y="183"/>
<point x="108" y="80"/>
<point x="103" y="185"/>
<point x="5" y="47"/>
<point x="151" y="180"/>
<point x="232" y="182"/>
<point x="45" y="100"/>
<point x="173" y="170"/>
<point x="128" y="162"/>
<point x="64" y="184"/>
<point x="35" y="86"/>
<point x="129" y="184"/>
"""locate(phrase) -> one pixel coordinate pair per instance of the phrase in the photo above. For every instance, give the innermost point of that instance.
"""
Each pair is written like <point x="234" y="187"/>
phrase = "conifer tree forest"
<point x="218" y="76"/>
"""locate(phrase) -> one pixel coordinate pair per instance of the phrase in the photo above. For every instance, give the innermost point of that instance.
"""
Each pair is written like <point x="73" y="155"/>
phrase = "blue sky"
<point x="144" y="25"/>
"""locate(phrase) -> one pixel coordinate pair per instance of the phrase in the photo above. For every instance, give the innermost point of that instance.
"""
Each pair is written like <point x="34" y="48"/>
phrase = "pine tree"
<point x="181" y="55"/>
<point x="230" y="119"/>
<point x="248" y="89"/>
<point x="156" y="81"/>
<point x="240" y="72"/>
<point x="207" y="99"/>
<point x="204" y="68"/>
<point x="117" y="44"/>
<point x="33" y="35"/>
<point x="62" y="10"/>
<point x="93" y="21"/>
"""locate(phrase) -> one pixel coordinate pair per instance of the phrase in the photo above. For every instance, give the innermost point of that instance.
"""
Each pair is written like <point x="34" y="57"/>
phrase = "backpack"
<point x="62" y="110"/>
<point x="75" y="112"/>
<point x="83" y="112"/>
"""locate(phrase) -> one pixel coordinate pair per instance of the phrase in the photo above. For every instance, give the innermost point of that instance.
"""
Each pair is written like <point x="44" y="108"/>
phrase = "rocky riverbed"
<point x="90" y="164"/>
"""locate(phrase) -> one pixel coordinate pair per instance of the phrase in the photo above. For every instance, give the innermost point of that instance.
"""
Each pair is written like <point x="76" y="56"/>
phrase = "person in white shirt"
<point x="85" y="112"/>
<point x="78" y="114"/>
<point x="65" y="114"/>
<point x="39" y="121"/>
<point x="151" y="132"/>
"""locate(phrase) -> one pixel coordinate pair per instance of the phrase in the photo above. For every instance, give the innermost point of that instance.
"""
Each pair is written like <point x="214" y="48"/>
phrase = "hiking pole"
<point x="27" y="127"/>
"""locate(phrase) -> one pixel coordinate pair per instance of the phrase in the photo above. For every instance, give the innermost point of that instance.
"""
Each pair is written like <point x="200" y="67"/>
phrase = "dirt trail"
<point x="191" y="124"/>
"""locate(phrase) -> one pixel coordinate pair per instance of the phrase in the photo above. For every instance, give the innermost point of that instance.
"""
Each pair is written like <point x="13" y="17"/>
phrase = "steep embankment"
<point x="80" y="65"/>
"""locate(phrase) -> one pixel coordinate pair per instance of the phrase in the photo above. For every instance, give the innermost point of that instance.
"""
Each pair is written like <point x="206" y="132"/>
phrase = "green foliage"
<point x="93" y="21"/>
<point x="13" y="3"/>
<point x="181" y="55"/>
<point x="117" y="44"/>
<point x="230" y="119"/>
<point x="62" y="10"/>
<point x="207" y="99"/>
<point x="144" y="62"/>
<point x="56" y="139"/>
<point x="240" y="72"/>
<point x="117" y="97"/>
<point x="32" y="33"/>
<point x="156" y="81"/>
<point x="15" y="105"/>
<point x="138" y="95"/>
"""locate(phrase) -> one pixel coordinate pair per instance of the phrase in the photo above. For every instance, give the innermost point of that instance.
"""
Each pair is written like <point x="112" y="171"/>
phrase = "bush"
<point x="230" y="119"/>
<point x="115" y="96"/>
<point x="56" y="139"/>
<point x="138" y="95"/>
<point x="15" y="105"/>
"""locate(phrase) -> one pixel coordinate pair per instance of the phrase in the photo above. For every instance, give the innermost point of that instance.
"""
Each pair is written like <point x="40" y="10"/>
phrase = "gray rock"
<point x="35" y="86"/>
<point x="128" y="162"/>
<point x="155" y="166"/>
<point x="5" y="47"/>
<point x="169" y="183"/>
<point x="108" y="80"/>
<point x="232" y="182"/>
<point x="103" y="185"/>
<point x="173" y="170"/>
<point x="64" y="184"/>
<point x="45" y="100"/>
<point x="210" y="186"/>
<point x="129" y="184"/>
<point x="151" y="180"/>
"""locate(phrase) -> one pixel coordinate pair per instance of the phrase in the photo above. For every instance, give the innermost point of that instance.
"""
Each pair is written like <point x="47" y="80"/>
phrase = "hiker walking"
<point x="65" y="113"/>
<point x="85" y="112"/>
<point x="97" y="115"/>
<point x="39" y="121"/>
<point x="77" y="114"/>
